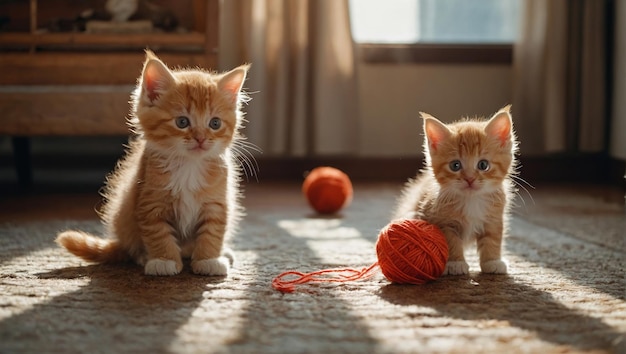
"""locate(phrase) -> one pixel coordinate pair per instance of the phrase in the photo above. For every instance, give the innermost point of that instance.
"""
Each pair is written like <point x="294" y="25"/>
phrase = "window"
<point x="435" y="21"/>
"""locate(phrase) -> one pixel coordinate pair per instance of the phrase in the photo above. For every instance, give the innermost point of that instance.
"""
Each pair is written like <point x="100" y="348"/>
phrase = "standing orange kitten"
<point x="466" y="187"/>
<point x="175" y="193"/>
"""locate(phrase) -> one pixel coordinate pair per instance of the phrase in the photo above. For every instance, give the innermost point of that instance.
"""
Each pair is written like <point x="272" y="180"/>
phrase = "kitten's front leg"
<point x="489" y="250"/>
<point x="456" y="259"/>
<point x="162" y="249"/>
<point x="206" y="258"/>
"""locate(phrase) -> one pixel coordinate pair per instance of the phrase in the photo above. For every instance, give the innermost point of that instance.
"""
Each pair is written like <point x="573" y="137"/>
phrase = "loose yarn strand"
<point x="410" y="251"/>
<point x="340" y="275"/>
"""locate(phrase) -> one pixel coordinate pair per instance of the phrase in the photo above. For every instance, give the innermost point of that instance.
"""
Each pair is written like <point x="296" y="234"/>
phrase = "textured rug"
<point x="565" y="292"/>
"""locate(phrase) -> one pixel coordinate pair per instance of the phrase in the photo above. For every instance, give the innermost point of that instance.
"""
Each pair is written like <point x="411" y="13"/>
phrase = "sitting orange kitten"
<point x="175" y="193"/>
<point x="466" y="187"/>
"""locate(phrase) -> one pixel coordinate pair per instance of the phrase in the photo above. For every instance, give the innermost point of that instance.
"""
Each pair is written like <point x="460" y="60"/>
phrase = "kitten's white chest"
<point x="186" y="180"/>
<point x="475" y="211"/>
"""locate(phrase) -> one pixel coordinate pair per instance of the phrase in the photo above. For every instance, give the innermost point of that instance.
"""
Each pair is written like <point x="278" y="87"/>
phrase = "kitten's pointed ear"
<point x="156" y="78"/>
<point x="232" y="81"/>
<point x="500" y="125"/>
<point x="435" y="131"/>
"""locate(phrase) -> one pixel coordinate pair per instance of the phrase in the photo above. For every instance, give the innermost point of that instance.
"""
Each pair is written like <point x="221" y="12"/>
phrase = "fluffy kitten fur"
<point x="466" y="187"/>
<point x="174" y="195"/>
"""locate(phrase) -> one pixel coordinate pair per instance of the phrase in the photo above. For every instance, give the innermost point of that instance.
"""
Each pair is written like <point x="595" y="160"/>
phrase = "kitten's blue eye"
<point x="455" y="165"/>
<point x="483" y="165"/>
<point x="215" y="123"/>
<point x="182" y="122"/>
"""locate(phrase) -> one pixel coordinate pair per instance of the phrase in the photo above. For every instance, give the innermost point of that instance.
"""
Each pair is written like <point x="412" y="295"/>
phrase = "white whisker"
<point x="245" y="164"/>
<point x="245" y="157"/>
<point x="517" y="180"/>
<point x="249" y="145"/>
<point x="523" y="180"/>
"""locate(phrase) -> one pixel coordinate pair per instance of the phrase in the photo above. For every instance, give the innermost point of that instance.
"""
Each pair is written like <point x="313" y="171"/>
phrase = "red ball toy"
<point x="411" y="251"/>
<point x="327" y="189"/>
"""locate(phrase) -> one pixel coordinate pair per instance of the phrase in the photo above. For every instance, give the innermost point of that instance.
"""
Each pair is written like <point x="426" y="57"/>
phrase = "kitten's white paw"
<point x="456" y="268"/>
<point x="213" y="266"/>
<point x="161" y="267"/>
<point x="496" y="266"/>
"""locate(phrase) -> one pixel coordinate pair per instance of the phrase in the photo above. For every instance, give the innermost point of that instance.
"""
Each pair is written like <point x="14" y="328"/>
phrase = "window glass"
<point x="435" y="21"/>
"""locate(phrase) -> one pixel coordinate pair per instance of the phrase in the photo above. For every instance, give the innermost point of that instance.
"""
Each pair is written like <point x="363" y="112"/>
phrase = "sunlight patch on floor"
<point x="322" y="236"/>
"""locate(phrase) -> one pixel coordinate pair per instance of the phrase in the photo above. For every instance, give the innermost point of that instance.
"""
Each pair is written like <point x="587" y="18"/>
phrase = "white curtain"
<point x="303" y="76"/>
<point x="560" y="77"/>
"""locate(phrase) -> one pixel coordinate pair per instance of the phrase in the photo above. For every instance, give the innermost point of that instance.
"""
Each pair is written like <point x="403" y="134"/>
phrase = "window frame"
<point x="435" y="53"/>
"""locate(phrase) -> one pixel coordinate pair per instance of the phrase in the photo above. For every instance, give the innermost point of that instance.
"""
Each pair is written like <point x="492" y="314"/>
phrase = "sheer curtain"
<point x="303" y="76"/>
<point x="560" y="76"/>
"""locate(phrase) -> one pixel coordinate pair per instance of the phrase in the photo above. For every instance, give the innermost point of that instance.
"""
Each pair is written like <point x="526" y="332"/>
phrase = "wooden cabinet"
<point x="58" y="79"/>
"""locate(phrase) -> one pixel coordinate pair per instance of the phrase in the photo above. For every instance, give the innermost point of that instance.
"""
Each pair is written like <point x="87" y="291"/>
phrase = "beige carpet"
<point x="564" y="293"/>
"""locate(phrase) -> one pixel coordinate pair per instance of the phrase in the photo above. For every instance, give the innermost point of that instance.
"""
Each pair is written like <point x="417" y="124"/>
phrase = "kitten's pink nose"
<point x="469" y="180"/>
<point x="200" y="140"/>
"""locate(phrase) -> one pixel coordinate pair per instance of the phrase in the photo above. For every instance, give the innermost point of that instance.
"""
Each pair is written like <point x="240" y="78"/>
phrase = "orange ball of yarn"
<point x="411" y="251"/>
<point x="327" y="189"/>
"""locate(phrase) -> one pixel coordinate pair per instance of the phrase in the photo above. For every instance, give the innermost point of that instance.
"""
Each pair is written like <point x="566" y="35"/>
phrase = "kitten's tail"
<point x="92" y="248"/>
<point x="228" y="253"/>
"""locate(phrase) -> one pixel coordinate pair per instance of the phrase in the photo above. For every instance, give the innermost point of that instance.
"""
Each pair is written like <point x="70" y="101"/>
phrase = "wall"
<point x="391" y="97"/>
<point x="618" y="129"/>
